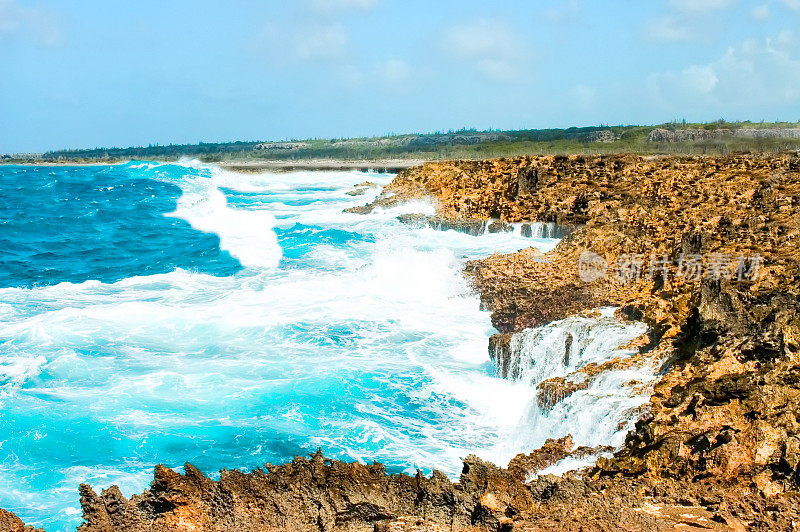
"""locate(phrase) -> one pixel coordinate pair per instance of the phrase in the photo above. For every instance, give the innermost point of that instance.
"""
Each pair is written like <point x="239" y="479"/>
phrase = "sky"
<point x="91" y="73"/>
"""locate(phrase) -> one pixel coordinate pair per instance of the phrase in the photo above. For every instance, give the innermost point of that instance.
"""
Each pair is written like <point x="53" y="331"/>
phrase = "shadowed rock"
<point x="320" y="494"/>
<point x="470" y="227"/>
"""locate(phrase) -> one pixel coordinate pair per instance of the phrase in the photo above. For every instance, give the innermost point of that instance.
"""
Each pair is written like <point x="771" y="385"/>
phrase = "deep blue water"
<point x="165" y="313"/>
<point x="106" y="223"/>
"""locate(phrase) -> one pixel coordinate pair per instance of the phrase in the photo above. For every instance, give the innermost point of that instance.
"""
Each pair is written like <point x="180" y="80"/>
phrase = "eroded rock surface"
<point x="726" y="405"/>
<point x="11" y="523"/>
<point x="319" y="494"/>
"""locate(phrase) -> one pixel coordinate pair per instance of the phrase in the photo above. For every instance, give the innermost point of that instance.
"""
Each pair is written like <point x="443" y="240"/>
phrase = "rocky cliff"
<point x="318" y="494"/>
<point x="697" y="134"/>
<point x="705" y="250"/>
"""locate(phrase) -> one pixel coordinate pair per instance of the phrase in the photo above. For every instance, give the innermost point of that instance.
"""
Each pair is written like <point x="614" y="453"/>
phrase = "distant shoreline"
<point x="255" y="166"/>
<point x="58" y="163"/>
<point x="384" y="165"/>
<point x="401" y="151"/>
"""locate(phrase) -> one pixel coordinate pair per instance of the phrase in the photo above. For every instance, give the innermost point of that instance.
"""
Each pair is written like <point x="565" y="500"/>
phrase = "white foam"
<point x="15" y="370"/>
<point x="539" y="353"/>
<point x="601" y="414"/>
<point x="246" y="234"/>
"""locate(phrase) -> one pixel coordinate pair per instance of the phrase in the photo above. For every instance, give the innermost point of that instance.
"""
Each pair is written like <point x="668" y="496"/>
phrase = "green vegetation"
<point x="675" y="138"/>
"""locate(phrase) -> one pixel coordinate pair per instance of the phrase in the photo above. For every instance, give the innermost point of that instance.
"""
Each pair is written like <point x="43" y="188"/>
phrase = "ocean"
<point x="171" y="313"/>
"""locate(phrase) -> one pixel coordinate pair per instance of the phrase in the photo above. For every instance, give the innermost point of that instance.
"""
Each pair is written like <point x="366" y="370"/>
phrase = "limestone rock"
<point x="555" y="390"/>
<point x="725" y="405"/>
<point x="11" y="523"/>
<point x="523" y="466"/>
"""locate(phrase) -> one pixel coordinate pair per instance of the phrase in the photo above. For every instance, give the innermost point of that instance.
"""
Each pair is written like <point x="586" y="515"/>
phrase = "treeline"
<point x="465" y="143"/>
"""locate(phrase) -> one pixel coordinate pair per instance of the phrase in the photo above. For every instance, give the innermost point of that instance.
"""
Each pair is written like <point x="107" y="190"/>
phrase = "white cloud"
<point x="37" y="25"/>
<point x="328" y="6"/>
<point x="688" y="21"/>
<point x="490" y="46"/>
<point x="318" y="41"/>
<point x="566" y="10"/>
<point x="394" y="71"/>
<point x="314" y="30"/>
<point x="701" y="79"/>
<point x="754" y="73"/>
<point x="695" y="83"/>
<point x="792" y="4"/>
<point x="392" y="74"/>
<point x="670" y="29"/>
<point x="305" y="41"/>
<point x="699" y="6"/>
<point x="760" y="12"/>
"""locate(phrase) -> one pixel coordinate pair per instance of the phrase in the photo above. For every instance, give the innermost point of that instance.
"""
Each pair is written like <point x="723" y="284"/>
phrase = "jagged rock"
<point x="767" y="133"/>
<point x="11" y="523"/>
<point x="695" y="134"/>
<point x="470" y="227"/>
<point x="555" y="390"/>
<point x="280" y="146"/>
<point x="687" y="134"/>
<point x="307" y="494"/>
<point x="523" y="466"/>
<point x="500" y="353"/>
<point x="499" y="227"/>
<point x="602" y="135"/>
<point x="320" y="494"/>
<point x="415" y="220"/>
<point x="725" y="406"/>
<point x="361" y="188"/>
<point x="360" y="209"/>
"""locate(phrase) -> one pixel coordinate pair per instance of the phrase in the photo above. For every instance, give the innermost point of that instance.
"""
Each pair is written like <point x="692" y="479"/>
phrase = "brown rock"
<point x="11" y="523"/>
<point x="555" y="390"/>
<point x="523" y="466"/>
<point x="725" y="405"/>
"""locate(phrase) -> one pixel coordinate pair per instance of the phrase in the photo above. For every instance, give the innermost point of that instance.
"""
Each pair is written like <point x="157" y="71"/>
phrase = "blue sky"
<point x="86" y="73"/>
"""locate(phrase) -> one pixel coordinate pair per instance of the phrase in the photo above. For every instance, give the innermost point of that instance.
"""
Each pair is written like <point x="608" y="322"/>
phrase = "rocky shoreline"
<point x="718" y="446"/>
<point x="724" y="410"/>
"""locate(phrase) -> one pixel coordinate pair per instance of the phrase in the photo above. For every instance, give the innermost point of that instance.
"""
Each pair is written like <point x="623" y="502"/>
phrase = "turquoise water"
<point x="165" y="313"/>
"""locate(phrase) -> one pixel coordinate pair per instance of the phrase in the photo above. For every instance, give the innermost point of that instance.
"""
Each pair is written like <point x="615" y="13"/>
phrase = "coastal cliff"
<point x="718" y="445"/>
<point x="723" y="412"/>
<point x="725" y="406"/>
